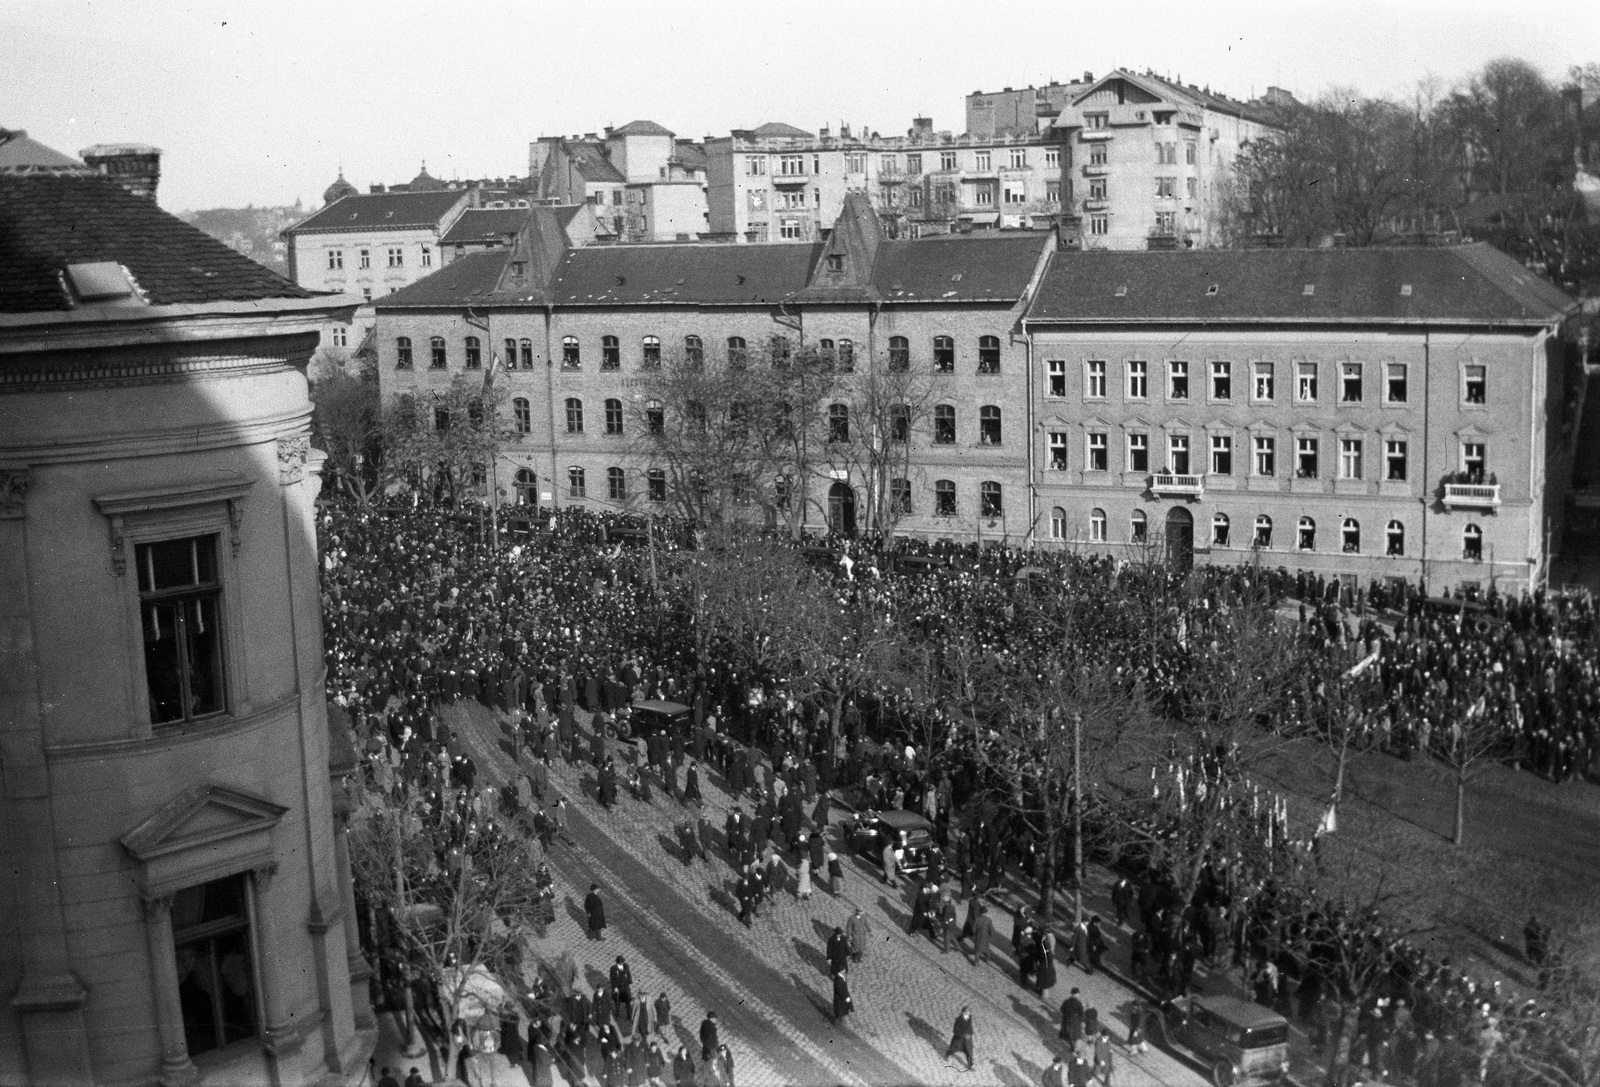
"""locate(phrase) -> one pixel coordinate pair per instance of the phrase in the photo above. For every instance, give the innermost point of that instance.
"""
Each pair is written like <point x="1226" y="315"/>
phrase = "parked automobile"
<point x="910" y="832"/>
<point x="654" y="715"/>
<point x="1240" y="1041"/>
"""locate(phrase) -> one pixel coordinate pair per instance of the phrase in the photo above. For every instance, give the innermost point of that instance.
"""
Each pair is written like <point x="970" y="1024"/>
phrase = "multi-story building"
<point x="643" y="183"/>
<point x="176" y="905"/>
<point x="1359" y="412"/>
<point x="779" y="183"/>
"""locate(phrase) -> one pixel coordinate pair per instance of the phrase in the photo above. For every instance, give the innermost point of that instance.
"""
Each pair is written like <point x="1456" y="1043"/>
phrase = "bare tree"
<point x="347" y="423"/>
<point x="1556" y="1042"/>
<point x="870" y="440"/>
<point x="446" y="439"/>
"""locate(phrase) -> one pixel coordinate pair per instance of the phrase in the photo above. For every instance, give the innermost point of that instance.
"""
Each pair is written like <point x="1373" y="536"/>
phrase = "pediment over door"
<point x="204" y="833"/>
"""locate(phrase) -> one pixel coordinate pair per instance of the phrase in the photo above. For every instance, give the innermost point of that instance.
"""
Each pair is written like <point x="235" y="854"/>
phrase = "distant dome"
<point x="425" y="182"/>
<point x="338" y="190"/>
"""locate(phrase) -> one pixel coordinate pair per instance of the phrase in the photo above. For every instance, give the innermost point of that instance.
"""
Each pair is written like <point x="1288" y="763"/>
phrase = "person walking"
<point x="961" y="1037"/>
<point x="663" y="1014"/>
<point x="1103" y="1059"/>
<point x="708" y="1036"/>
<point x="1055" y="1075"/>
<point x="842" y="1004"/>
<point x="838" y="951"/>
<point x="595" y="911"/>
<point x="947" y="920"/>
<point x="802" y="889"/>
<point x="1072" y="1018"/>
<point x="858" y="932"/>
<point x="889" y="865"/>
<point x="835" y="875"/>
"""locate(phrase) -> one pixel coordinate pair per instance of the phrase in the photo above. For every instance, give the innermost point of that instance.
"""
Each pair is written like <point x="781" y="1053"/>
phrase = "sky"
<point x="264" y="102"/>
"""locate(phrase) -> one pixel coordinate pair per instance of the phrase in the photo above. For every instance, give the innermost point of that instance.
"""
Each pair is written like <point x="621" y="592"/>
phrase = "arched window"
<point x="402" y="353"/>
<point x="407" y="408"/>
<point x="651" y="346"/>
<point x="738" y="353"/>
<point x="525" y="485"/>
<point x="838" y="422"/>
<point x="944" y="355"/>
<point x="989" y="425"/>
<point x="1472" y="543"/>
<point x="1097" y="525"/>
<point x="944" y="497"/>
<point x="436" y="354"/>
<point x="574" y="415"/>
<point x="527" y="356"/>
<point x="847" y="355"/>
<point x="779" y="348"/>
<point x="475" y="412"/>
<point x="1138" y="527"/>
<point x="613" y="416"/>
<point x="655" y="416"/>
<point x="900" y="494"/>
<point x="656" y="485"/>
<point x="616" y="485"/>
<point x="1396" y="533"/>
<point x="522" y="412"/>
<point x="944" y="425"/>
<point x="1058" y="523"/>
<point x="1263" y="531"/>
<point x="1308" y="534"/>
<point x="511" y="353"/>
<point x="575" y="483"/>
<point x="1219" y="530"/>
<point x="825" y="351"/>
<point x="1350" y="532"/>
<point x="610" y="353"/>
<point x="694" y="351"/>
<point x="990" y="500"/>
<point x="441" y="419"/>
<point x="899" y="423"/>
<point x="571" y="357"/>
<point x="988" y="354"/>
<point x="899" y="354"/>
<point x="695" y="412"/>
<point x="474" y="354"/>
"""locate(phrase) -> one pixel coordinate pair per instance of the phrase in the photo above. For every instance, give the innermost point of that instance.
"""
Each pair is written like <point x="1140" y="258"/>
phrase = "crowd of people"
<point x="421" y="610"/>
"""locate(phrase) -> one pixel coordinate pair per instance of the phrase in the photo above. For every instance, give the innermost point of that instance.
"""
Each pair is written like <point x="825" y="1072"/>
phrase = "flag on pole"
<point x="1329" y="822"/>
<point x="489" y="374"/>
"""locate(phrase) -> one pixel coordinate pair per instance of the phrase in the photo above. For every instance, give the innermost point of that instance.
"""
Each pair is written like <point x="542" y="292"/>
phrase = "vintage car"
<point x="1241" y="1042"/>
<point x="911" y="833"/>
<point x="652" y="716"/>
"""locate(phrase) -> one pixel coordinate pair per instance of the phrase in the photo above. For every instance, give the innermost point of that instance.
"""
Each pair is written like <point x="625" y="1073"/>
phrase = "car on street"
<point x="654" y="715"/>
<point x="1239" y="1041"/>
<point x="911" y="834"/>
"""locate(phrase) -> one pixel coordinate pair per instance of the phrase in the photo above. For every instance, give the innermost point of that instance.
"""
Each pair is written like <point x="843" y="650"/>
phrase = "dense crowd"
<point x="421" y="610"/>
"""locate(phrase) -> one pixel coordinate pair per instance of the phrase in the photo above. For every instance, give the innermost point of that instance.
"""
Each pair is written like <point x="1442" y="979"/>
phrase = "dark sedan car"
<point x="910" y="832"/>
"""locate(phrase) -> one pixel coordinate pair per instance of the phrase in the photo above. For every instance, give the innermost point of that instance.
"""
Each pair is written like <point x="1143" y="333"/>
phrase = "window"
<point x="792" y="165"/>
<point x="473" y="354"/>
<point x="1056" y="377"/>
<point x="1138" y="380"/>
<point x="1472" y="543"/>
<point x="427" y="257"/>
<point x="983" y="194"/>
<point x="1474" y="459"/>
<point x="616" y="485"/>
<point x="1350" y="534"/>
<point x="825" y="349"/>
<point x="944" y="354"/>
<point x="1097" y="525"/>
<point x="1394" y="455"/>
<point x="1052" y="156"/>
<point x="944" y="498"/>
<point x="1138" y="527"/>
<point x="847" y="355"/>
<point x="180" y="599"/>
<point x="899" y="354"/>
<point x="1349" y="458"/>
<point x="1266" y="448"/>
<point x="1138" y="452"/>
<point x="613" y="416"/>
<point x="655" y="482"/>
<point x="1395" y="536"/>
<point x="1306" y="387"/>
<point x="1221" y="455"/>
<point x="336" y="260"/>
<point x="436" y="353"/>
<point x="215" y="964"/>
<point x="1305" y="458"/>
<point x="1475" y="384"/>
<point x="989" y="425"/>
<point x="1191" y="187"/>
<point x="738" y="353"/>
<point x="1052" y="192"/>
<point x="1263" y="536"/>
<point x="1307" y="535"/>
<point x="838" y="422"/>
<point x="694" y="413"/>
<point x="571" y="357"/>
<point x="1058" y="523"/>
<point x="651" y="348"/>
<point x="402" y="353"/>
<point x="899" y="423"/>
<point x="914" y="163"/>
<point x="947" y="160"/>
<point x="575" y="484"/>
<point x="1189" y="152"/>
<point x="1016" y="193"/>
<point x="1096" y="121"/>
<point x="511" y="353"/>
<point x="1219" y="530"/>
<point x="1166" y="187"/>
<point x="694" y="351"/>
<point x="610" y="353"/>
<point x="988" y="354"/>
<point x="1395" y="385"/>
<point x="944" y="424"/>
<point x="1350" y="383"/>
<point x="1019" y="158"/>
<point x="1178" y="454"/>
<point x="397" y="256"/>
<point x="522" y="413"/>
<point x="789" y="228"/>
<point x="1222" y="381"/>
<point x="441" y="419"/>
<point x="1264" y="383"/>
<point x="981" y="160"/>
<point x="1166" y="223"/>
<point x="341" y="336"/>
<point x="1058" y="451"/>
<point x="855" y="162"/>
<point x="914" y="199"/>
<point x="900" y="495"/>
<point x="1099" y="453"/>
<point x="1096" y="387"/>
<point x="527" y="354"/>
<point x="574" y="415"/>
<point x="655" y="416"/>
<point x="366" y="293"/>
<point x="1098" y="154"/>
<point x="755" y="165"/>
<point x="1099" y="225"/>
<point x="990" y="503"/>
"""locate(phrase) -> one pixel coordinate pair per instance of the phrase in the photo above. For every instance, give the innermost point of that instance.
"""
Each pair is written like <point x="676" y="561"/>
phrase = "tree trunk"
<point x="1047" y="882"/>
<point x="1461" y="809"/>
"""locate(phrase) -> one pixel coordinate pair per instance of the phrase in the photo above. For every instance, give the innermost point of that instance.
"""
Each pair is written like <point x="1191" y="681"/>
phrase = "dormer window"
<point x="835" y="262"/>
<point x="517" y="268"/>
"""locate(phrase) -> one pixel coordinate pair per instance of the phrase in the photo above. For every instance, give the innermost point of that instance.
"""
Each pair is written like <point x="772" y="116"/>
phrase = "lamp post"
<point x="1077" y="819"/>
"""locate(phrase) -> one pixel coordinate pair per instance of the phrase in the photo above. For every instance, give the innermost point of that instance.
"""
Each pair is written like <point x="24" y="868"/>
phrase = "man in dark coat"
<point x="708" y="1036"/>
<point x="543" y="1064"/>
<point x="622" y="985"/>
<point x="838" y="951"/>
<point x="947" y="920"/>
<point x="604" y="1007"/>
<point x="842" y="1004"/>
<point x="691" y="785"/>
<point x="511" y="1039"/>
<point x="1072" y="1019"/>
<point x="683" y="1068"/>
<point x="858" y="934"/>
<point x="663" y="1014"/>
<point x="961" y="1037"/>
<point x="595" y="911"/>
<point x="982" y="934"/>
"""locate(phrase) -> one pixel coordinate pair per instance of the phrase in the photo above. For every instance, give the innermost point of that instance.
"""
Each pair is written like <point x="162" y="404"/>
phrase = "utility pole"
<point x="1077" y="819"/>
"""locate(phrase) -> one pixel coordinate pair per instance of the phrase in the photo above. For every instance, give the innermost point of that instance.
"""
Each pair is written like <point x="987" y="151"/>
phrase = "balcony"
<point x="1089" y="135"/>
<point x="1096" y="203"/>
<point x="1096" y="169"/>
<point x="1471" y="496"/>
<point x="1173" y="485"/>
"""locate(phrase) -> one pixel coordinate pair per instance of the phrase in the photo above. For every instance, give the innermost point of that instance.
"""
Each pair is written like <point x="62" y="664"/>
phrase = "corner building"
<point x="176" y="906"/>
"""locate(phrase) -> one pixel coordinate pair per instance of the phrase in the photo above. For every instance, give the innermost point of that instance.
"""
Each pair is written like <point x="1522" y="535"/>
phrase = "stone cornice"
<point x="100" y="369"/>
<point x="221" y="435"/>
<point x="102" y="326"/>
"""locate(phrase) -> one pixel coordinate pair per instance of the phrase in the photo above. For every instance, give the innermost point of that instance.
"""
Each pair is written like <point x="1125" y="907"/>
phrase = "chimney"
<point x="1088" y="77"/>
<point x="134" y="166"/>
<point x="922" y="128"/>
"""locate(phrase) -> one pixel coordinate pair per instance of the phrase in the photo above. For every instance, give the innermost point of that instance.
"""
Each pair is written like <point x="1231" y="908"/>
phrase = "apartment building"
<point x="643" y="182"/>
<point x="778" y="183"/>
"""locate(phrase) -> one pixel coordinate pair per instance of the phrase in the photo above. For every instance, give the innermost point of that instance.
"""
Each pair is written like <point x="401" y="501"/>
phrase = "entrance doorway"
<point x="1180" y="539"/>
<point x="527" y="485"/>
<point x="842" y="509"/>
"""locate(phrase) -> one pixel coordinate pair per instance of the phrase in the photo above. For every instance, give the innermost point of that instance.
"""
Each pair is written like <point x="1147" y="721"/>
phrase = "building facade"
<point x="644" y="184"/>
<point x="178" y="906"/>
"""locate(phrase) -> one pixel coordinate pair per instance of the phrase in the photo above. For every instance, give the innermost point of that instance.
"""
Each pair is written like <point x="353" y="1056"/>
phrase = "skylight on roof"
<point x="100" y="281"/>
<point x="1311" y="289"/>
<point x="1405" y="290"/>
<point x="1121" y="292"/>
<point x="1211" y="291"/>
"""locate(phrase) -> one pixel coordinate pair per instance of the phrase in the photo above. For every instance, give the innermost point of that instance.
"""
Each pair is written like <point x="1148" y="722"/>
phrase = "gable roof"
<point x="20" y="153"/>
<point x="779" y="130"/>
<point x="1467" y="284"/>
<point x="468" y="281"/>
<point x="1174" y="91"/>
<point x="641" y="128"/>
<point x="485" y="224"/>
<point x="589" y="159"/>
<point x="382" y="211"/>
<point x="689" y="274"/>
<point x="50" y="221"/>
<point x="689" y="154"/>
<point x="989" y="266"/>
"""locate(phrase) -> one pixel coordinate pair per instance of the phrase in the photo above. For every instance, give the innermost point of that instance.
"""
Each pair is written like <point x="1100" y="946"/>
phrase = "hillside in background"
<point x="252" y="231"/>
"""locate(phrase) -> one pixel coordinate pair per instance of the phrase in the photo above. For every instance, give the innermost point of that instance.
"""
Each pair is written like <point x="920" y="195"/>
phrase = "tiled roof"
<point x="1219" y="102"/>
<point x="779" y="130"/>
<point x="485" y="224"/>
<point x="49" y="222"/>
<point x="467" y="281"/>
<point x="591" y="163"/>
<point x="382" y="211"/>
<point x="683" y="274"/>
<point x="1466" y="284"/>
<point x="991" y="266"/>
<point x="641" y="128"/>
<point x="690" y="154"/>
<point x="21" y="153"/>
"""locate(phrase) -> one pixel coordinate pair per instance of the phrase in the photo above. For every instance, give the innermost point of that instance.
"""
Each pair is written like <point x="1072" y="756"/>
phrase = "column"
<point x="280" y="1035"/>
<point x="176" y="1068"/>
<point x="360" y="971"/>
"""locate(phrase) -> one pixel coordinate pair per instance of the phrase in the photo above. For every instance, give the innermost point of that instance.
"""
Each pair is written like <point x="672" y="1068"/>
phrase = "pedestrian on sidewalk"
<point x="1072" y="1018"/>
<point x="622" y="987"/>
<point x="842" y="1004"/>
<point x="802" y="889"/>
<point x="682" y="1068"/>
<point x="1055" y="1075"/>
<point x="691" y="785"/>
<point x="835" y="875"/>
<point x="708" y="1036"/>
<point x="858" y="932"/>
<point x="961" y="1037"/>
<point x="1103" y="1059"/>
<point x="982" y="933"/>
<point x="947" y="920"/>
<point x="595" y="912"/>
<point x="656" y="1065"/>
<point x="663" y="1011"/>
<point x="1046" y="973"/>
<point x="889" y="864"/>
<point x="1096" y="943"/>
<point x="838" y="951"/>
